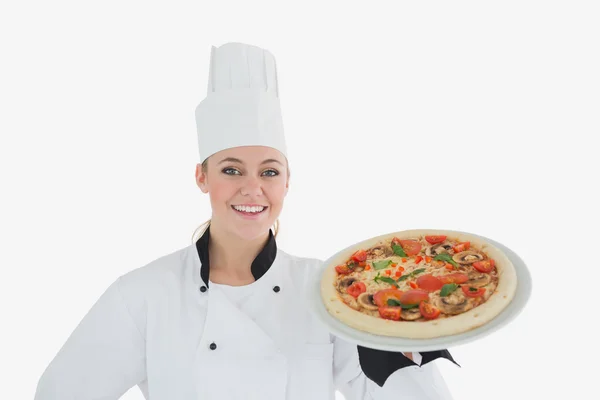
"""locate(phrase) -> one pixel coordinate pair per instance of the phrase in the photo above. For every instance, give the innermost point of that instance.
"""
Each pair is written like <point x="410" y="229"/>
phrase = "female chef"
<point x="227" y="316"/>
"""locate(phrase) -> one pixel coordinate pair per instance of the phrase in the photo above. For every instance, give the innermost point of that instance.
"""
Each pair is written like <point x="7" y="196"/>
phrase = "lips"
<point x="250" y="213"/>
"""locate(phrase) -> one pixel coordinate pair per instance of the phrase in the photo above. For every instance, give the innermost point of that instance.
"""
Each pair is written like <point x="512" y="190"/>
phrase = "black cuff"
<point x="427" y="356"/>
<point x="378" y="365"/>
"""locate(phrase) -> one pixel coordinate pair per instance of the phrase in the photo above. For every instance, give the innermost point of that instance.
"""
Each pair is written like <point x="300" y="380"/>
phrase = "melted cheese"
<point x="435" y="268"/>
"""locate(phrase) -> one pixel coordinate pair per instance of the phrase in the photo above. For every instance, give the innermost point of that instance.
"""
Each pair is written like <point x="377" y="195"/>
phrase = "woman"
<point x="227" y="317"/>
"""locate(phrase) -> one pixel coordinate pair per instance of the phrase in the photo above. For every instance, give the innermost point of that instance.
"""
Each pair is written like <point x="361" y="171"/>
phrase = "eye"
<point x="275" y="173"/>
<point x="229" y="169"/>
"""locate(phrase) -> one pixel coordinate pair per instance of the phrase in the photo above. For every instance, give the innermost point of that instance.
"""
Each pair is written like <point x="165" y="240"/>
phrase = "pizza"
<point x="418" y="284"/>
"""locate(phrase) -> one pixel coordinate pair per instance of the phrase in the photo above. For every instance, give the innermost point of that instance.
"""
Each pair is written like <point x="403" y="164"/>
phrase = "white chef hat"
<point x="242" y="104"/>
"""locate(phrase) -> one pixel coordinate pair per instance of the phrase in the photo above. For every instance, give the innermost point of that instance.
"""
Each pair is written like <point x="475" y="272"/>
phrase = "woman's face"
<point x="245" y="176"/>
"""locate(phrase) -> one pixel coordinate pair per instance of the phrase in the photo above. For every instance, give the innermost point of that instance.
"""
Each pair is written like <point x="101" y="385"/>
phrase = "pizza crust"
<point x="456" y="324"/>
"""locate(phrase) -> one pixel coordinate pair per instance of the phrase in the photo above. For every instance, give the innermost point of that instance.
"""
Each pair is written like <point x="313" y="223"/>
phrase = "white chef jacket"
<point x="165" y="328"/>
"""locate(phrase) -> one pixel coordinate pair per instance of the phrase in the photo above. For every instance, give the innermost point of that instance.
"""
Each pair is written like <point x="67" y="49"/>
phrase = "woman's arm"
<point x="102" y="359"/>
<point x="415" y="383"/>
<point x="382" y="375"/>
<point x="348" y="376"/>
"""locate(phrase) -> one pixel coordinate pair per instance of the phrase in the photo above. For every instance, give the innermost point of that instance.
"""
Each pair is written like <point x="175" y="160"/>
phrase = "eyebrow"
<point x="237" y="160"/>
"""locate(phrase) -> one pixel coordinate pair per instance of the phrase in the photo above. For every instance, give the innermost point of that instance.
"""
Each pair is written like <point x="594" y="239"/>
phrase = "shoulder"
<point x="161" y="274"/>
<point x="301" y="264"/>
<point x="300" y="268"/>
<point x="142" y="289"/>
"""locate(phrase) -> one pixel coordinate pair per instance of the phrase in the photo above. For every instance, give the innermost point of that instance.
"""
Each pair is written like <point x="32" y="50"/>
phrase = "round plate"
<point x="336" y="327"/>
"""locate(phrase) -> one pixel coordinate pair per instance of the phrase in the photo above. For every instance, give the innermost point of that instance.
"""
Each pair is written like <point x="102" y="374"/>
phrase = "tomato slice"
<point x="461" y="247"/>
<point x="356" y="289"/>
<point x="456" y="277"/>
<point x="414" y="296"/>
<point x="429" y="282"/>
<point x="428" y="311"/>
<point x="343" y="269"/>
<point x="359" y="256"/>
<point x="434" y="239"/>
<point x="485" y="265"/>
<point x="472" y="292"/>
<point x="410" y="247"/>
<point x="389" y="312"/>
<point x="381" y="298"/>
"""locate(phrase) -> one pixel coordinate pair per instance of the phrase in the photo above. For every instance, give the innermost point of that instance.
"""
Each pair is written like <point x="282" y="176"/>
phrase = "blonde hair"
<point x="206" y="224"/>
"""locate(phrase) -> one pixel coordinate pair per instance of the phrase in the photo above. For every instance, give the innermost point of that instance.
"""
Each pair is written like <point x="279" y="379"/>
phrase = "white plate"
<point x="523" y="292"/>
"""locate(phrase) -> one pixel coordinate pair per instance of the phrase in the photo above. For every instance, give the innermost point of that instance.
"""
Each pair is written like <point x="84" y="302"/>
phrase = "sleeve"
<point x="378" y="365"/>
<point x="348" y="377"/>
<point x="362" y="373"/>
<point x="395" y="373"/>
<point x="102" y="358"/>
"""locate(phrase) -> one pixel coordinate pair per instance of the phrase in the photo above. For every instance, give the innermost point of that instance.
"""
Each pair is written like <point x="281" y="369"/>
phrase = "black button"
<point x="276" y="289"/>
<point x="213" y="346"/>
<point x="203" y="289"/>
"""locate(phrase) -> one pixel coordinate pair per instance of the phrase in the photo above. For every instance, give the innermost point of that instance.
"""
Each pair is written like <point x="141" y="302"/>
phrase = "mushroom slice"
<point x="379" y="251"/>
<point x="467" y="257"/>
<point x="453" y="304"/>
<point x="357" y="268"/>
<point x="411" y="314"/>
<point x="478" y="279"/>
<point x="345" y="284"/>
<point x="365" y="300"/>
<point x="437" y="249"/>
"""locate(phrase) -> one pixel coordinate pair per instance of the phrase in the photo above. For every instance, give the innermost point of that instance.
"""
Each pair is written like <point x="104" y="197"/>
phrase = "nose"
<point x="252" y="186"/>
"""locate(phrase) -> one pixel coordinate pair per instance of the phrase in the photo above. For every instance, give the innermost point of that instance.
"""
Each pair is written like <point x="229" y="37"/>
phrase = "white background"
<point x="474" y="116"/>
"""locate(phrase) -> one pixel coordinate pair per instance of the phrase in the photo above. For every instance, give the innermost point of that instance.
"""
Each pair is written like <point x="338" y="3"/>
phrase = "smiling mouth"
<point x="250" y="213"/>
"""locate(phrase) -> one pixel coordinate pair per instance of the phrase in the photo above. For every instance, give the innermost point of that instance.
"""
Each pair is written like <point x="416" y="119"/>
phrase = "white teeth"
<point x="249" y="209"/>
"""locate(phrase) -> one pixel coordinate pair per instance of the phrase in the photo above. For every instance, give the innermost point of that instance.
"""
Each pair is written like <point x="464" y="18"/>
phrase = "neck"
<point x="232" y="254"/>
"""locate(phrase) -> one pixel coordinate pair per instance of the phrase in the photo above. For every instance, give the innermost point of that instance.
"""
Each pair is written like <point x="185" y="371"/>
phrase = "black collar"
<point x="260" y="265"/>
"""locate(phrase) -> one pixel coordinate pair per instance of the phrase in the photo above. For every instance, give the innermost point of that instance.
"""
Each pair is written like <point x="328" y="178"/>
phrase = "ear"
<point x="287" y="187"/>
<point x="201" y="179"/>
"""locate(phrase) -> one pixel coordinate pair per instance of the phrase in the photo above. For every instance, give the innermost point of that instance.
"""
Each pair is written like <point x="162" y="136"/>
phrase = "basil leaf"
<point x="472" y="289"/>
<point x="446" y="257"/>
<point x="388" y="280"/>
<point x="396" y="303"/>
<point x="398" y="250"/>
<point x="448" y="288"/>
<point x="381" y="264"/>
<point x="385" y="279"/>
<point x="415" y="272"/>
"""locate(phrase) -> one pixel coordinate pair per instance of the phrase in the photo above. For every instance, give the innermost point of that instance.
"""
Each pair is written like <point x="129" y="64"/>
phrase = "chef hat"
<point x="242" y="104"/>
